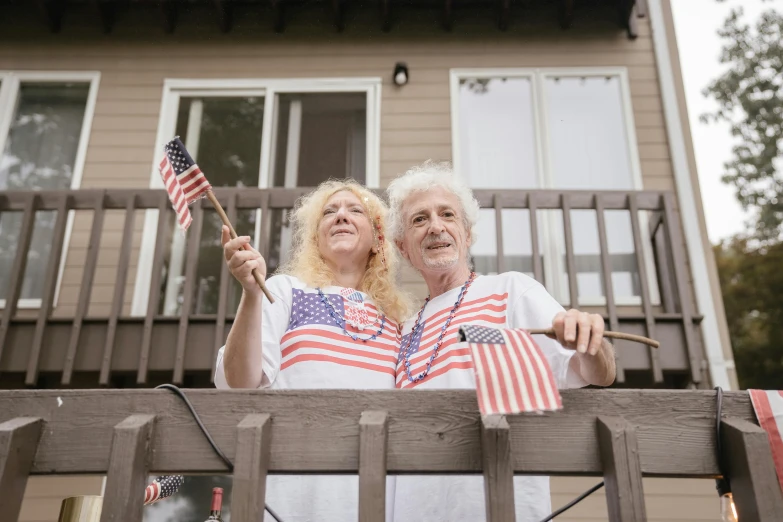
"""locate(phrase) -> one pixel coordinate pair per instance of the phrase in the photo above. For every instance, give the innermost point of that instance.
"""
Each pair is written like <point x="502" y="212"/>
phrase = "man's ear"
<point x="401" y="248"/>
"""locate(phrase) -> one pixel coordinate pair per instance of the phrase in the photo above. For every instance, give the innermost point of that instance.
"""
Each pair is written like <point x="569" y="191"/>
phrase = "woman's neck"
<point x="348" y="277"/>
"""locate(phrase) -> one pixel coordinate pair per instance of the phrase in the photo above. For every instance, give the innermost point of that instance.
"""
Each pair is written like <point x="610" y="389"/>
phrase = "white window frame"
<point x="9" y="92"/>
<point x="174" y="89"/>
<point x="537" y="77"/>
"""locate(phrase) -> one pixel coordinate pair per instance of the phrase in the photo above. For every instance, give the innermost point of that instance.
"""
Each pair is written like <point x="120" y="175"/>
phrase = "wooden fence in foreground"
<point x="621" y="435"/>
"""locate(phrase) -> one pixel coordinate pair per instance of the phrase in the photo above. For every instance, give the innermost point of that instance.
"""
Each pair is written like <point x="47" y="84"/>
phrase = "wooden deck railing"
<point x="621" y="435"/>
<point x="109" y="342"/>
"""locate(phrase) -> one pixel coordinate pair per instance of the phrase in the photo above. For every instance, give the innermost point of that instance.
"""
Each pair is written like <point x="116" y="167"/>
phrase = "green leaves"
<point x="750" y="97"/>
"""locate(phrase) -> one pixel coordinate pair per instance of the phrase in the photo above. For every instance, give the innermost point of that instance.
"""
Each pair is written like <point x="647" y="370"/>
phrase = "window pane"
<point x="587" y="136"/>
<point x="317" y="136"/>
<point x="40" y="153"/>
<point x="320" y="136"/>
<point x="497" y="133"/>
<point x="224" y="137"/>
<point x="589" y="150"/>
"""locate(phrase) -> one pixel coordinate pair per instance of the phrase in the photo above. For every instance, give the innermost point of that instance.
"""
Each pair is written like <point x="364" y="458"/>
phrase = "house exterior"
<point x="540" y="105"/>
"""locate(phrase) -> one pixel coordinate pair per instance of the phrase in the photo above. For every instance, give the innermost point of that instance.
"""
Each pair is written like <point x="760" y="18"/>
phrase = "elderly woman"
<point x="333" y="324"/>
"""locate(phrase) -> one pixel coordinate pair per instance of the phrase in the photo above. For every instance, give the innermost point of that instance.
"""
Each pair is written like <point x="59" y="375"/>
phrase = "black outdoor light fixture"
<point x="401" y="75"/>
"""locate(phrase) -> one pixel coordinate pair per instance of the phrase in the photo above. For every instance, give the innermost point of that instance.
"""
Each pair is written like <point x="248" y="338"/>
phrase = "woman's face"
<point x="345" y="234"/>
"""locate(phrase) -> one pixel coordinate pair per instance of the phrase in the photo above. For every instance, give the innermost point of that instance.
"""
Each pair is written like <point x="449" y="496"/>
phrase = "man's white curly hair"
<point x="423" y="177"/>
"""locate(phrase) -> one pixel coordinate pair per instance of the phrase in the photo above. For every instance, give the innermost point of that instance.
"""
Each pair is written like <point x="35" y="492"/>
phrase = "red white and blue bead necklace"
<point x="341" y="322"/>
<point x="418" y="325"/>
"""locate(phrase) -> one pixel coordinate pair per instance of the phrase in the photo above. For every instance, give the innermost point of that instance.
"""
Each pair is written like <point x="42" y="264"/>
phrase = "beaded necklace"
<point x="341" y="320"/>
<point x="417" y="325"/>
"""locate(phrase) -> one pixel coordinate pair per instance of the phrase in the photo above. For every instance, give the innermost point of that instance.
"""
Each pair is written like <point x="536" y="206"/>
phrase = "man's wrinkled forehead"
<point x="435" y="198"/>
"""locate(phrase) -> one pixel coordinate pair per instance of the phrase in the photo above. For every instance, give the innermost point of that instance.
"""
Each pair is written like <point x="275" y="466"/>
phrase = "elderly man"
<point x="433" y="219"/>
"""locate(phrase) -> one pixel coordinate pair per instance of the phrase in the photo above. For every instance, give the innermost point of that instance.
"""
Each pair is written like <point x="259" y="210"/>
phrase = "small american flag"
<point x="769" y="411"/>
<point x="183" y="180"/>
<point x="512" y="374"/>
<point x="162" y="487"/>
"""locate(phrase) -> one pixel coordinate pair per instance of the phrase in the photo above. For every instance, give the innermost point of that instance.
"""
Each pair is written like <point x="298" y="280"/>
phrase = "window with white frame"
<point x="259" y="133"/>
<point x="551" y="129"/>
<point x="45" y="122"/>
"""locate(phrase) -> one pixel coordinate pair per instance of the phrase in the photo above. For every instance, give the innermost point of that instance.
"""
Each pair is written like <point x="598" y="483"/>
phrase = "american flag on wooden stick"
<point x="512" y="374"/>
<point x="162" y="487"/>
<point x="768" y="405"/>
<point x="183" y="180"/>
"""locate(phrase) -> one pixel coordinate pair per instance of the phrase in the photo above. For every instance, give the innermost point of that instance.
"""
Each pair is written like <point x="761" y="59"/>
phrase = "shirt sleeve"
<point x="535" y="308"/>
<point x="274" y="322"/>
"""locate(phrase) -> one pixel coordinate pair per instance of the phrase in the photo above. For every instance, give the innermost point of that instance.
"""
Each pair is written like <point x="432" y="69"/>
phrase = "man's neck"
<point x="439" y="283"/>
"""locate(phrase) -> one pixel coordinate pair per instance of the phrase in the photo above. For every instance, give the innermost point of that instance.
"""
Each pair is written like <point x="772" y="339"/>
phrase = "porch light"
<point x="401" y="74"/>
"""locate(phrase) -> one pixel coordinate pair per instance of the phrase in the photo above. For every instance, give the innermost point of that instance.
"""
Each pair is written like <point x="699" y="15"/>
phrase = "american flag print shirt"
<point x="509" y="300"/>
<point x="304" y="347"/>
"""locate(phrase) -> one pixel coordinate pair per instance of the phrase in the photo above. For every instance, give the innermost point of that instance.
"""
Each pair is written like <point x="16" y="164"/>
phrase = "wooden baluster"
<point x="606" y="276"/>
<point x="751" y="471"/>
<point x="50" y="283"/>
<point x="16" y="277"/>
<point x="129" y="460"/>
<point x="254" y="435"/>
<point x="622" y="470"/>
<point x="119" y="290"/>
<point x="154" y="294"/>
<point x="532" y="205"/>
<point x="569" y="248"/>
<point x="373" y="437"/>
<point x="498" y="468"/>
<point x="649" y="320"/>
<point x="85" y="290"/>
<point x="676" y="244"/>
<point x="18" y="443"/>
<point x="499" y="255"/>
<point x="191" y="264"/>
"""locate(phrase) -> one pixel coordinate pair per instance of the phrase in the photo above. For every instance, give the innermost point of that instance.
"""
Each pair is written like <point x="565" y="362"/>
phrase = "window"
<point x="551" y="129"/>
<point x="249" y="133"/>
<point x="44" y="128"/>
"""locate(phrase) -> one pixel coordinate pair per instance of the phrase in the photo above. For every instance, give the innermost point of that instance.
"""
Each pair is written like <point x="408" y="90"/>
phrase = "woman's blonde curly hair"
<point x="305" y="261"/>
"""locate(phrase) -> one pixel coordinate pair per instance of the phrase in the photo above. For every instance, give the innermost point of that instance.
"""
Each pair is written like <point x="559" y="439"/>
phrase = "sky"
<point x="696" y="24"/>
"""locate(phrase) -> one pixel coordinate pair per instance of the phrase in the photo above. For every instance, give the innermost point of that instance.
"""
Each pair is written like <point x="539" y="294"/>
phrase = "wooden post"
<point x="751" y="472"/>
<point x="622" y="470"/>
<point x="18" y="443"/>
<point x="224" y="219"/>
<point x="252" y="461"/>
<point x="128" y="466"/>
<point x="373" y="436"/>
<point x="498" y="468"/>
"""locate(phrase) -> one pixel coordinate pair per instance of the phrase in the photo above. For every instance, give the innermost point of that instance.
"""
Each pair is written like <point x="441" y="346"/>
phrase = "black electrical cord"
<point x="722" y="483"/>
<point x="574" y="502"/>
<point x="229" y="464"/>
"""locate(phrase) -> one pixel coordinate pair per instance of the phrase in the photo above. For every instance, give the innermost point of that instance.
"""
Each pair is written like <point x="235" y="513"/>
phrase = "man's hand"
<point x="242" y="262"/>
<point x="579" y="331"/>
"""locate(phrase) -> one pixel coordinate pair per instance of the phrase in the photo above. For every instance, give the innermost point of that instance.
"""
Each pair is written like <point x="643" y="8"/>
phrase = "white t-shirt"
<point x="510" y="300"/>
<point x="304" y="347"/>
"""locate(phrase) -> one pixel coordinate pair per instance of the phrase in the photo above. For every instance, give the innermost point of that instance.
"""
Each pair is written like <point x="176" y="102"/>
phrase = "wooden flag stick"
<point x="609" y="334"/>
<point x="224" y="218"/>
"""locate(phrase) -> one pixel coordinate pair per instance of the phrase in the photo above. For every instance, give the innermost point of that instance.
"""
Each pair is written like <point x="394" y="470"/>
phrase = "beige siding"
<point x="415" y="120"/>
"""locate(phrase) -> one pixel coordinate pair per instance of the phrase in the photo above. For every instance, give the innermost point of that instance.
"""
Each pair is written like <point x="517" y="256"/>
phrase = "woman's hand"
<point x="242" y="262"/>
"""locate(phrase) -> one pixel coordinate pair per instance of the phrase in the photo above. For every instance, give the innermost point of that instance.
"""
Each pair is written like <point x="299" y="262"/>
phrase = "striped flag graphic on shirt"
<point x="769" y="411"/>
<point x="512" y="374"/>
<point x="313" y="335"/>
<point x="184" y="181"/>
<point x="453" y="354"/>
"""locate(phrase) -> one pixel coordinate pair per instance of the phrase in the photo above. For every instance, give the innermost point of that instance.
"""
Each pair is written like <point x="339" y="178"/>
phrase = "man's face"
<point x="434" y="235"/>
